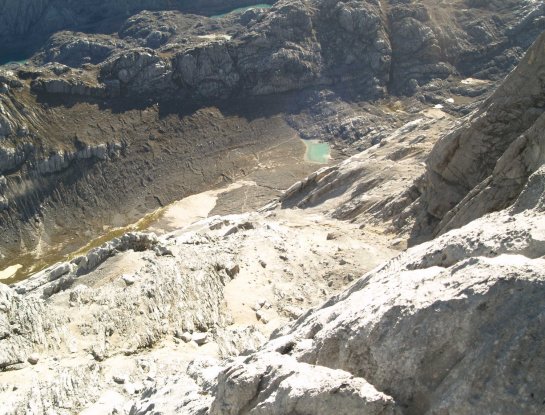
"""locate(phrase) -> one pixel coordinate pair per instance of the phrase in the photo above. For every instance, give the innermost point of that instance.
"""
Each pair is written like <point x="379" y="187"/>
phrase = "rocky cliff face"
<point x="382" y="46"/>
<point x="484" y="165"/>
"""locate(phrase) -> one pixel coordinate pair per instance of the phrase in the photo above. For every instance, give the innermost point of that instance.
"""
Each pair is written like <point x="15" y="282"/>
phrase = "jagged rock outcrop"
<point x="483" y="165"/>
<point x="139" y="71"/>
<point x="75" y="87"/>
<point x="276" y="384"/>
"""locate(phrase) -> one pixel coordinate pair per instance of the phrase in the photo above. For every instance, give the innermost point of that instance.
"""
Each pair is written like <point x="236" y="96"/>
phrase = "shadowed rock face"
<point x="483" y="165"/>
<point x="392" y="46"/>
<point x="26" y="22"/>
<point x="153" y="156"/>
<point x="387" y="46"/>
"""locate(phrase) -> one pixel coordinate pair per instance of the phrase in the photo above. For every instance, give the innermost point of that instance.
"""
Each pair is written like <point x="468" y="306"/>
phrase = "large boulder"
<point x="275" y="384"/>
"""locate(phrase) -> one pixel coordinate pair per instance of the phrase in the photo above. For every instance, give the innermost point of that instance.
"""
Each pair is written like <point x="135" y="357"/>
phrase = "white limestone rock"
<point x="273" y="384"/>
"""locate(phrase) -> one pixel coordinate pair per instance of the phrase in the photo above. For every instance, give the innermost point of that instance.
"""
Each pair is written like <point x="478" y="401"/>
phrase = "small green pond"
<point x="317" y="151"/>
<point x="243" y="9"/>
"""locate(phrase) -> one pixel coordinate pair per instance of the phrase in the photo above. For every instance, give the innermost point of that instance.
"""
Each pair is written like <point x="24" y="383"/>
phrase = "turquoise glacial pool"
<point x="317" y="151"/>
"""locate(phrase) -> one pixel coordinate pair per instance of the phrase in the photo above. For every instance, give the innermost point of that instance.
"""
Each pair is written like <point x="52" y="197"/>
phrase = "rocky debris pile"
<point x="277" y="384"/>
<point x="60" y="161"/>
<point x="164" y="30"/>
<point x="328" y="116"/>
<point x="63" y="275"/>
<point x="76" y="49"/>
